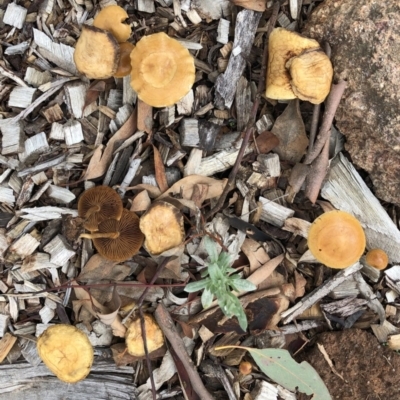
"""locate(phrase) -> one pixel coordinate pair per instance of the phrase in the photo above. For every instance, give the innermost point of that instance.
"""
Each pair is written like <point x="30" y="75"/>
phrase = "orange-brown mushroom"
<point x="163" y="70"/>
<point x="124" y="65"/>
<point x="377" y="258"/>
<point x="162" y="226"/>
<point x="98" y="204"/>
<point x="96" y="53"/>
<point x="118" y="240"/>
<point x="336" y="239"/>
<point x="111" y="19"/>
<point x="134" y="339"/>
<point x="66" y="351"/>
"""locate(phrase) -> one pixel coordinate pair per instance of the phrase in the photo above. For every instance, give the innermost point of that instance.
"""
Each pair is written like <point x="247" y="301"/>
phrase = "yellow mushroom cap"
<point x="336" y="239"/>
<point x="163" y="70"/>
<point x="96" y="53"/>
<point x="66" y="351"/>
<point x="282" y="46"/>
<point x="111" y="19"/>
<point x="377" y="258"/>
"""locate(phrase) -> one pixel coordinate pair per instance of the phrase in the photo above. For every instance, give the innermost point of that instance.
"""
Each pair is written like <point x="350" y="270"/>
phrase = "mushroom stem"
<point x="92" y="210"/>
<point x="100" y="235"/>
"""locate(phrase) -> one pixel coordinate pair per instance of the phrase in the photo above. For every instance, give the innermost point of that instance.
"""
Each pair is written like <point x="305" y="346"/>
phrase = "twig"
<point x="167" y="325"/>
<point x="332" y="104"/>
<point x="250" y="124"/>
<point x="9" y="74"/>
<point x="314" y="125"/>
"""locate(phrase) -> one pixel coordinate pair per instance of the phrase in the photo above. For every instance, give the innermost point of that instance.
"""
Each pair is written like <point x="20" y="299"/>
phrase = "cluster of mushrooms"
<point x="337" y="240"/>
<point x="118" y="233"/>
<point x="162" y="70"/>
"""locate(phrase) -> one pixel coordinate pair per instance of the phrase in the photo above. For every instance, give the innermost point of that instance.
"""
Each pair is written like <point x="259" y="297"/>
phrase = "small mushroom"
<point x="311" y="75"/>
<point x="336" y="239"/>
<point x="163" y="70"/>
<point x="124" y="65"/>
<point x="111" y="19"/>
<point x="98" y="204"/>
<point x="118" y="240"/>
<point x="134" y="339"/>
<point x="285" y="45"/>
<point x="96" y="53"/>
<point x="66" y="351"/>
<point x="377" y="258"/>
<point x="162" y="226"/>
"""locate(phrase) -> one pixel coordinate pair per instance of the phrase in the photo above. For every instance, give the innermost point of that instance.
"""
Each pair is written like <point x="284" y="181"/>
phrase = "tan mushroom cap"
<point x="311" y="75"/>
<point x="282" y="46"/>
<point x="134" y="339"/>
<point x="111" y="19"/>
<point x="66" y="351"/>
<point x="124" y="65"/>
<point x="125" y="237"/>
<point x="377" y="258"/>
<point x="163" y="70"/>
<point x="96" y="53"/>
<point x="162" y="226"/>
<point x="336" y="239"/>
<point x="98" y="204"/>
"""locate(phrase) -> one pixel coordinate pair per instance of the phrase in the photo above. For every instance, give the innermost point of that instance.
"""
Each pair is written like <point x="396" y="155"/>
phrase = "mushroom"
<point x="163" y="70"/>
<point x="134" y="339"/>
<point x="124" y="65"/>
<point x="111" y="19"/>
<point x="162" y="226"/>
<point x="311" y="75"/>
<point x="66" y="351"/>
<point x="336" y="239"/>
<point x="118" y="240"/>
<point x="288" y="79"/>
<point x="98" y="204"/>
<point x="377" y="258"/>
<point x="96" y="53"/>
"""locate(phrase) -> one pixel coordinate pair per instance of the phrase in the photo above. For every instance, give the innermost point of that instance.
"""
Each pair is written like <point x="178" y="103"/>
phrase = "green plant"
<point x="219" y="283"/>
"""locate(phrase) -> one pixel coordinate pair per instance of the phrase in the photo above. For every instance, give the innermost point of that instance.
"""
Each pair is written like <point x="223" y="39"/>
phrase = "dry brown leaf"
<point x="153" y="191"/>
<point x="300" y="284"/>
<point x="186" y="187"/>
<point x="255" y="253"/>
<point x="263" y="272"/>
<point x="266" y="141"/>
<point x="160" y="170"/>
<point x="93" y="92"/>
<point x="100" y="161"/>
<point x="97" y="309"/>
<point x="255" y="5"/>
<point x="141" y="202"/>
<point x="200" y="192"/>
<point x="290" y="130"/>
<point x="6" y="344"/>
<point x="96" y="269"/>
<point x="145" y="117"/>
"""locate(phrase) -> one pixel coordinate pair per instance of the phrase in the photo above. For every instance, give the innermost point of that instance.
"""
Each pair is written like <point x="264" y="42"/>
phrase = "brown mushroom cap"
<point x="336" y="239"/>
<point x="162" y="226"/>
<point x="377" y="258"/>
<point x="124" y="65"/>
<point x="311" y="75"/>
<point x="96" y="53"/>
<point x="111" y="19"/>
<point x="118" y="240"/>
<point x="66" y="351"/>
<point x="98" y="204"/>
<point x="134" y="339"/>
<point x="163" y="70"/>
<point x="282" y="46"/>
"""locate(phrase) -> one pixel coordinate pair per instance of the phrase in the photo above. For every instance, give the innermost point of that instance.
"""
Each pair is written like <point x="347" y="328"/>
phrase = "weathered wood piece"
<point x="19" y="48"/>
<point x="268" y="164"/>
<point x="60" y="251"/>
<point x="189" y="132"/>
<point x="7" y="196"/>
<point x="245" y="29"/>
<point x="34" y="146"/>
<point x="243" y="103"/>
<point x="274" y="213"/>
<point x="265" y="123"/>
<point x="223" y="31"/>
<point x="75" y="95"/>
<point x="73" y="133"/>
<point x="36" y="78"/>
<point x="21" y="97"/>
<point x="42" y="166"/>
<point x="347" y="191"/>
<point x="60" y="194"/>
<point x="15" y="15"/>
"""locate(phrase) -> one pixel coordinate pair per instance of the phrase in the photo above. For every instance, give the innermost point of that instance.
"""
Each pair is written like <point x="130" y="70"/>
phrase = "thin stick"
<point x="250" y="124"/>
<point x="167" y="325"/>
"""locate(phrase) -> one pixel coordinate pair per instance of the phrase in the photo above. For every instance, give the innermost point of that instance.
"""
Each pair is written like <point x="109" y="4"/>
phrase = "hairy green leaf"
<point x="196" y="286"/>
<point x="211" y="248"/>
<point x="206" y="298"/>
<point x="284" y="370"/>
<point x="242" y="284"/>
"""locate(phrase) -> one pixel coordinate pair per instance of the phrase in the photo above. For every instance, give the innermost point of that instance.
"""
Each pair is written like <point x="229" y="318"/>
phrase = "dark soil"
<point x="371" y="371"/>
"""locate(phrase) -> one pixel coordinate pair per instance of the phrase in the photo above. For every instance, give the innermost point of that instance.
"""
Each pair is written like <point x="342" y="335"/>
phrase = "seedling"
<point x="219" y="283"/>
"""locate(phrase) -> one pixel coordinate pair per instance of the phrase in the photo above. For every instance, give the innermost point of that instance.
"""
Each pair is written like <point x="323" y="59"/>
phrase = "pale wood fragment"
<point x="34" y="146"/>
<point x="265" y="123"/>
<point x="193" y="16"/>
<point x="43" y="187"/>
<point x="274" y="213"/>
<point x="132" y="171"/>
<point x="7" y="196"/>
<point x="269" y="165"/>
<point x="60" y="194"/>
<point x="283" y="20"/>
<point x="167" y="116"/>
<point x="383" y="331"/>
<point x="185" y="105"/>
<point x="193" y="162"/>
<point x="297" y="226"/>
<point x="6" y="343"/>
<point x="213" y="9"/>
<point x="21" y="97"/>
<point x="13" y="137"/>
<point x="36" y="78"/>
<point x="75" y="94"/>
<point x="144" y="117"/>
<point x="59" y="54"/>
<point x="60" y="251"/>
<point x="25" y="193"/>
<point x="121" y="117"/>
<point x="114" y="100"/>
<point x="37" y="261"/>
<point x="53" y="113"/>
<point x="4" y="321"/>
<point x="19" y="48"/>
<point x="73" y="133"/>
<point x="175" y="156"/>
<point x="15" y="15"/>
<point x="223" y="31"/>
<point x="23" y="247"/>
<point x="189" y="132"/>
<point x="146" y="6"/>
<point x="42" y="166"/>
<point x="57" y="131"/>
<point x="129" y="96"/>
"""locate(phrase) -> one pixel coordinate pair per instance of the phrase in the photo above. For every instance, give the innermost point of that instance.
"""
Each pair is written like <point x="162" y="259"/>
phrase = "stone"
<point x="365" y="40"/>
